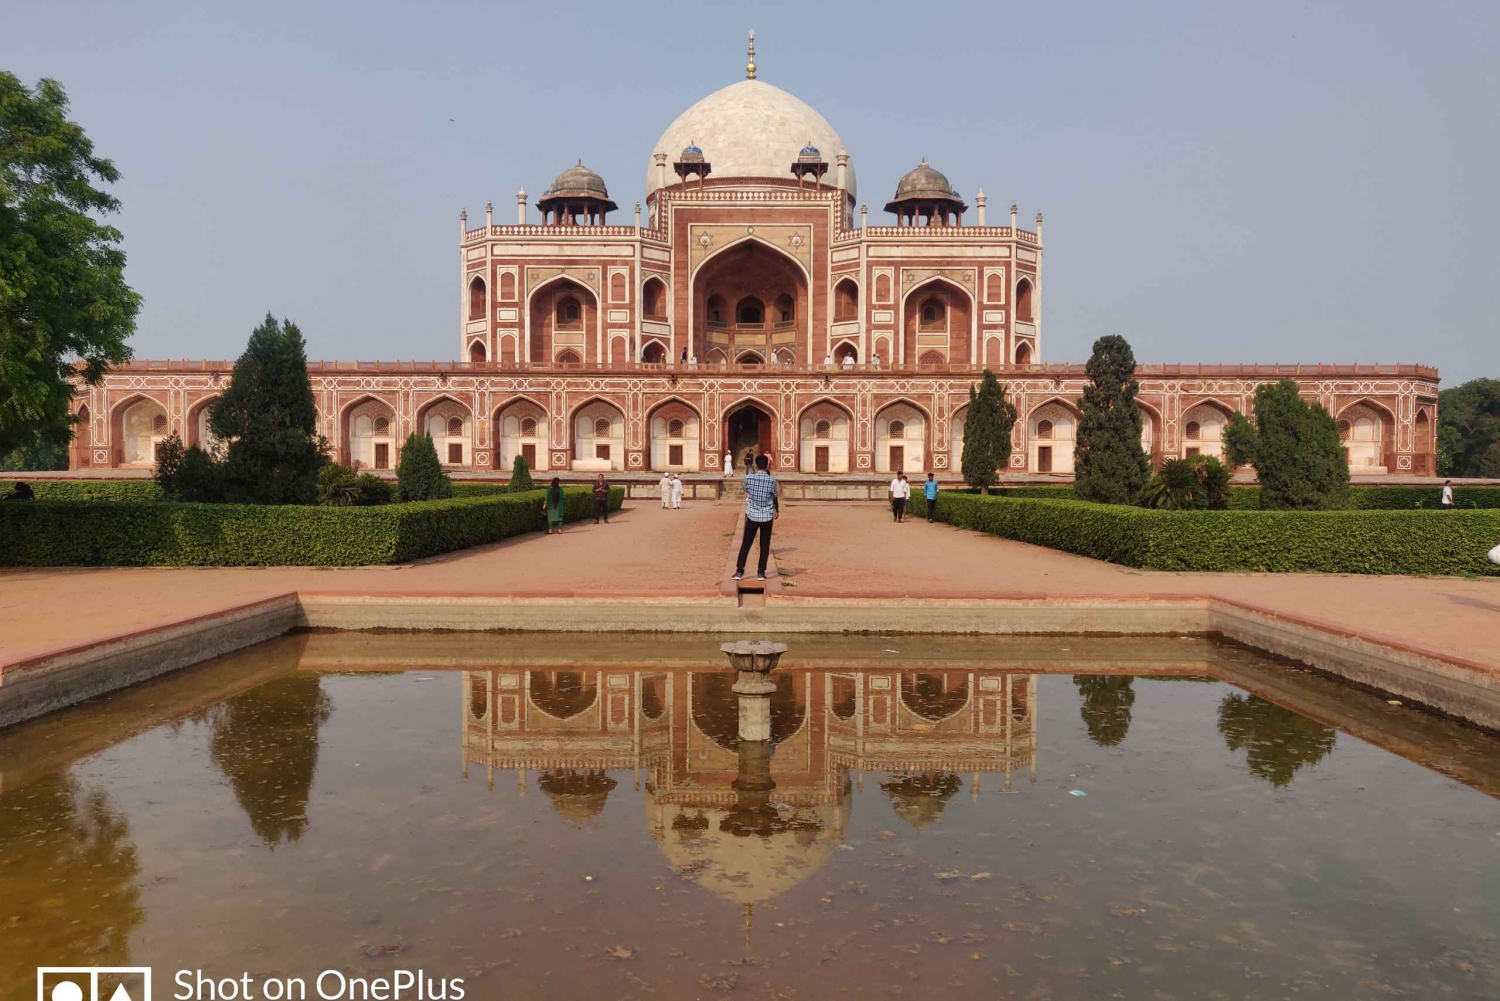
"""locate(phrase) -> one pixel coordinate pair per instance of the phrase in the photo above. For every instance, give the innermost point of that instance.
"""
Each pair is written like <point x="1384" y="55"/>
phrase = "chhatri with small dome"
<point x="750" y="305"/>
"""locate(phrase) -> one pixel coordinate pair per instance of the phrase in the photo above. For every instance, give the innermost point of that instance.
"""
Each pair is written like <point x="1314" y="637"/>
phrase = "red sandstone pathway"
<point x="822" y="550"/>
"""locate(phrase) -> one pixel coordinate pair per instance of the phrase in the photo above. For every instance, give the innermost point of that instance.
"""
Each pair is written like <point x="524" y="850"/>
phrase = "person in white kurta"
<point x="728" y="463"/>
<point x="666" y="490"/>
<point x="676" y="490"/>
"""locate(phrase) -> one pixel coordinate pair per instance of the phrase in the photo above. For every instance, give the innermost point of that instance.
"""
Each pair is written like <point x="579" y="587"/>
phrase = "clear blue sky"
<point x="1253" y="182"/>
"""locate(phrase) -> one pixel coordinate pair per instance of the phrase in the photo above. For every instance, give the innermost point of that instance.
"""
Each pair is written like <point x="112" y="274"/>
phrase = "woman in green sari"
<point x="552" y="503"/>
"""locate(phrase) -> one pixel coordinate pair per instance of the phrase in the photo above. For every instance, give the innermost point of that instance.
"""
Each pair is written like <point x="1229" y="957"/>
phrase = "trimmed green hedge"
<point x="1362" y="542"/>
<point x="1392" y="498"/>
<point x="136" y="491"/>
<point x="119" y="533"/>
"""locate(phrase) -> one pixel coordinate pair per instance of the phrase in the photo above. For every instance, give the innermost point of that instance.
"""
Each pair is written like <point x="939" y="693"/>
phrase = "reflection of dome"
<point x="746" y="869"/>
<point x="749" y="129"/>
<point x="919" y="799"/>
<point x="576" y="796"/>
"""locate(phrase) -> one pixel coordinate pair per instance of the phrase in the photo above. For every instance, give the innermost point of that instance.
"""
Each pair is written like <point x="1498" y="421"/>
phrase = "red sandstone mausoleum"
<point x="753" y="308"/>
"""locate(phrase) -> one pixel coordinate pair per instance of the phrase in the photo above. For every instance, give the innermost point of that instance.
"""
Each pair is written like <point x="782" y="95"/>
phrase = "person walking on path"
<point x="552" y="503"/>
<point x="665" y="486"/>
<point x="762" y="508"/>
<point x="1446" y="501"/>
<point x="676" y="491"/>
<point x="929" y="493"/>
<point x="601" y="500"/>
<point x="900" y="491"/>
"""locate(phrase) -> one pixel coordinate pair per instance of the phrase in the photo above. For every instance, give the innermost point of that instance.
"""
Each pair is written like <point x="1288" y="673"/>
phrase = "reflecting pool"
<point x="565" y="817"/>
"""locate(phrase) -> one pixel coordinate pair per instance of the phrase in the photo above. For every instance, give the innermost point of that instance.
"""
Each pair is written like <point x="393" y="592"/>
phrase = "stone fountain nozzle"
<point x="753" y="663"/>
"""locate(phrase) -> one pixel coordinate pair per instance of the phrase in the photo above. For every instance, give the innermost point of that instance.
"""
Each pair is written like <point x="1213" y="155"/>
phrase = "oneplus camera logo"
<point x="93" y="983"/>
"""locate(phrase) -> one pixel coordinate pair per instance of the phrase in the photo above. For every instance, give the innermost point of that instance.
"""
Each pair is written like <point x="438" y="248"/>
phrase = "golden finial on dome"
<point x="750" y="66"/>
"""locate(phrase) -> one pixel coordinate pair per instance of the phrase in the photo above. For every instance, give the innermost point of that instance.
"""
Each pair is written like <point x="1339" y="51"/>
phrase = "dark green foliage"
<point x="373" y="491"/>
<point x="1489" y="462"/>
<point x="1109" y="465"/>
<point x="124" y="533"/>
<point x="987" y="427"/>
<point x="468" y="488"/>
<point x="1295" y="449"/>
<point x="265" y="741"/>
<point x="1468" y="426"/>
<point x="133" y="491"/>
<point x="419" y="475"/>
<point x="520" y="476"/>
<point x="268" y="417"/>
<point x="63" y="297"/>
<point x="1277" y="741"/>
<point x="1363" y="542"/>
<point x="42" y="453"/>
<point x="337" y="486"/>
<point x="187" y="474"/>
<point x="1105" y="706"/>
<point x="1199" y="482"/>
<point x="168" y="458"/>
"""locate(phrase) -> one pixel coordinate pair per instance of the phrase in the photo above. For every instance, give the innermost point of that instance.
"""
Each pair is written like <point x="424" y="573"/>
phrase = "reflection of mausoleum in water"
<point x="707" y="799"/>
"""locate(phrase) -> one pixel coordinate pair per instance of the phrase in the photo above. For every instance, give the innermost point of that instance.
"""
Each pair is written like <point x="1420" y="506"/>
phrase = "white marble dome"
<point x="750" y="129"/>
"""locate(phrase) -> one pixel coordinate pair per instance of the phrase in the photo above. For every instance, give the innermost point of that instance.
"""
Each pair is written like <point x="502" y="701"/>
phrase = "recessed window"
<point x="455" y="426"/>
<point x="159" y="423"/>
<point x="382" y="425"/>
<point x="1044" y="429"/>
<point x="823" y="430"/>
<point x="674" y="428"/>
<point x="601" y="427"/>
<point x="897" y="429"/>
<point x="1192" y="430"/>
<point x="528" y="427"/>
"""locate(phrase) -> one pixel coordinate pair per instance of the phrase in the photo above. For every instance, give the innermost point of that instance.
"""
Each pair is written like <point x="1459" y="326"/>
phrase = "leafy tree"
<point x="268" y="417"/>
<point x="187" y="474"/>
<point x="1489" y="462"/>
<point x="520" y="476"/>
<point x="63" y="297"/>
<point x="168" y="458"/>
<point x="1105" y="708"/>
<point x="419" y="475"/>
<point x="987" y="430"/>
<point x="1468" y="426"/>
<point x="41" y="453"/>
<point x="1200" y="482"/>
<point x="1108" y="462"/>
<point x="1295" y="449"/>
<point x="1277" y="741"/>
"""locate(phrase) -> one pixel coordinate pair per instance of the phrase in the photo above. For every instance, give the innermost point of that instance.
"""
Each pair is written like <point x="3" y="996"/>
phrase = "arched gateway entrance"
<point x="748" y="431"/>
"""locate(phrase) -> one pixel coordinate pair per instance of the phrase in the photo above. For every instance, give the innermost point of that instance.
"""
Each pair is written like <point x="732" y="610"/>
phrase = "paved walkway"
<point x="822" y="550"/>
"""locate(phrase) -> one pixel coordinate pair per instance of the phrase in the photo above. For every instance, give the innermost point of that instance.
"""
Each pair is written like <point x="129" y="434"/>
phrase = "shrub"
<point x="268" y="417"/>
<point x="1200" y="482"/>
<point x="471" y="489"/>
<point x="373" y="491"/>
<point x="137" y="491"/>
<point x="987" y="427"/>
<point x="199" y="478"/>
<point x="124" y="533"/>
<point x="337" y="486"/>
<point x="1109" y="464"/>
<point x="520" y="476"/>
<point x="1363" y="542"/>
<point x="419" y="475"/>
<point x="168" y="458"/>
<point x="1295" y="449"/>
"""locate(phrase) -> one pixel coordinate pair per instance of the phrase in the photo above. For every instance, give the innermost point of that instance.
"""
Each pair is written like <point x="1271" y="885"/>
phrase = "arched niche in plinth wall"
<point x="901" y="438"/>
<point x="845" y="300"/>
<point x="994" y="352"/>
<point x="654" y="299"/>
<point x="935" y="696"/>
<point x="619" y="351"/>
<point x="545" y="340"/>
<point x="1151" y="430"/>
<point x="1025" y="300"/>
<point x="825" y="434"/>
<point x="748" y="274"/>
<point x="450" y="425"/>
<point x="676" y="433"/>
<point x="846" y="349"/>
<point x="598" y="437"/>
<point x="653" y="353"/>
<point x="477" y="353"/>
<point x="1051" y="433"/>
<point x="477" y="298"/>
<point x="951" y="333"/>
<point x="1368" y="431"/>
<point x="562" y="695"/>
<point x="198" y="431"/>
<point x="520" y="428"/>
<point x="139" y="424"/>
<point x="956" y="424"/>
<point x="367" y="442"/>
<point x="1023" y="353"/>
<point x="715" y="712"/>
<point x="1202" y="427"/>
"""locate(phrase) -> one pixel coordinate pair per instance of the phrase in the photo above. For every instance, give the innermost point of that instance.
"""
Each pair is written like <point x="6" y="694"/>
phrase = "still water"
<point x="555" y="817"/>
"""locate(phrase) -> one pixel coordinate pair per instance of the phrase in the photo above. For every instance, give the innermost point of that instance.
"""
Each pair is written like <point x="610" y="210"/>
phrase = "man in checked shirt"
<point x="762" y="506"/>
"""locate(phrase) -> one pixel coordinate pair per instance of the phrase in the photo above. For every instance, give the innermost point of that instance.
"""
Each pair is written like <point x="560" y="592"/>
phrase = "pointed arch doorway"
<point x="748" y="431"/>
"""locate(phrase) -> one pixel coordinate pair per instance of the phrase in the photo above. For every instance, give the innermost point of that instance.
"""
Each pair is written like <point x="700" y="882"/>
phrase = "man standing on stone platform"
<point x="762" y="507"/>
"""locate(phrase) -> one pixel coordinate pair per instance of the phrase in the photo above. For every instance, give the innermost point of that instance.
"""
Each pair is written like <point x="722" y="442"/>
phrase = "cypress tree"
<point x="987" y="432"/>
<point x="1295" y="449"/>
<point x="1109" y="465"/>
<point x="520" y="476"/>
<point x="268" y="417"/>
<point x="419" y="475"/>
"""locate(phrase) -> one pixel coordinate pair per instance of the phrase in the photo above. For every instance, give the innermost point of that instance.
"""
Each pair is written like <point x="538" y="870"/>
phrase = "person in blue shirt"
<point x="762" y="506"/>
<point x="929" y="491"/>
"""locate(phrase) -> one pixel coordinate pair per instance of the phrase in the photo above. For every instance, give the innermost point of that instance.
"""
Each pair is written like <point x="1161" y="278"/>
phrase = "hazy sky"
<point x="1251" y="182"/>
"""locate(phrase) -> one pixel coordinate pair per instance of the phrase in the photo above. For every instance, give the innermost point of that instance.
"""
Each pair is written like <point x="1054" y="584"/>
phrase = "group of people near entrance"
<point x="670" y="485"/>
